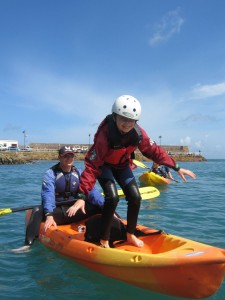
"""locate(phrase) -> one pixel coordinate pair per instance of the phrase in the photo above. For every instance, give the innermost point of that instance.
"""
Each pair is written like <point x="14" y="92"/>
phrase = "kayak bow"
<point x="167" y="264"/>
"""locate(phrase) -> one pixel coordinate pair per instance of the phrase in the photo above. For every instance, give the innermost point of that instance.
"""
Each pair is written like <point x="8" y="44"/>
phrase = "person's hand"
<point x="170" y="176"/>
<point x="79" y="204"/>
<point x="183" y="172"/>
<point x="49" y="222"/>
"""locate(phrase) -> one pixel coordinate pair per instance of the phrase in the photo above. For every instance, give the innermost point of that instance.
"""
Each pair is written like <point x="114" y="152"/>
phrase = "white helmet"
<point x="127" y="106"/>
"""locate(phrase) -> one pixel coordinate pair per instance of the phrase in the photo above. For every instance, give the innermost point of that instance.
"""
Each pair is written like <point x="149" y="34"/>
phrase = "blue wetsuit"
<point x="59" y="187"/>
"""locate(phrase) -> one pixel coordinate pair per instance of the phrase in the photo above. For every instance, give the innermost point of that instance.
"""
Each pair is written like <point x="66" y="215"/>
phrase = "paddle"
<point x="146" y="193"/>
<point x="5" y="211"/>
<point x="140" y="164"/>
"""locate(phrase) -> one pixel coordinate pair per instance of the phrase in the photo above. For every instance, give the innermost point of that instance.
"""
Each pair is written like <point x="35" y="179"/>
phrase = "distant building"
<point x="176" y="150"/>
<point x="78" y="148"/>
<point x="83" y="148"/>
<point x="9" y="143"/>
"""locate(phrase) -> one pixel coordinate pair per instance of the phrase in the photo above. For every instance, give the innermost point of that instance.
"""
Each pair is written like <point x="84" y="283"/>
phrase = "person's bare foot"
<point x="104" y="243"/>
<point x="132" y="239"/>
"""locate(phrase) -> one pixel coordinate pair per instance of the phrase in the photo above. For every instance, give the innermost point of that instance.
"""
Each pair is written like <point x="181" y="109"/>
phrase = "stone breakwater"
<point x="13" y="161"/>
<point x="7" y="158"/>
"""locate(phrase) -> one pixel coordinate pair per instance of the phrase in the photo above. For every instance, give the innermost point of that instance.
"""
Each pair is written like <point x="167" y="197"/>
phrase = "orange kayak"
<point x="167" y="264"/>
<point x="151" y="178"/>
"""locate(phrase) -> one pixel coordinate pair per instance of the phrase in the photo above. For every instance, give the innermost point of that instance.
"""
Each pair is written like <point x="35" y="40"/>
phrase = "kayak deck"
<point x="152" y="179"/>
<point x="166" y="264"/>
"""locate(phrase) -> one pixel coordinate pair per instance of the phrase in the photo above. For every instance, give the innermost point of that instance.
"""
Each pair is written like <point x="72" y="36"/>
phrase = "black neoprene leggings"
<point x="60" y="217"/>
<point x="133" y="198"/>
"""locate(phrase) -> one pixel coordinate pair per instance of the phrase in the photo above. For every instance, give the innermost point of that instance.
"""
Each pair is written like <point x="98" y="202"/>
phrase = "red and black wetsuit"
<point x="109" y="159"/>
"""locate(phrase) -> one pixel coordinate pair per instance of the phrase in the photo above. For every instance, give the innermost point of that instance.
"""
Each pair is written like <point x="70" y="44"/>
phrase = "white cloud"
<point x="168" y="26"/>
<point x="41" y="90"/>
<point x="205" y="91"/>
<point x="69" y="134"/>
<point x="186" y="141"/>
<point x="193" y="118"/>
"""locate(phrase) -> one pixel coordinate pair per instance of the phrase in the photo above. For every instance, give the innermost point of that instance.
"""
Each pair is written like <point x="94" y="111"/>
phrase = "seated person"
<point x="59" y="193"/>
<point x="162" y="171"/>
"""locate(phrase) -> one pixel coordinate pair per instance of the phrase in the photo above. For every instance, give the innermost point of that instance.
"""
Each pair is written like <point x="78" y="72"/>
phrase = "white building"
<point x="9" y="143"/>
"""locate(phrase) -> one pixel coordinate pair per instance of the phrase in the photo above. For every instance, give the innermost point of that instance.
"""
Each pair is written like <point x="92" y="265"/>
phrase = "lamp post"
<point x="24" y="139"/>
<point x="89" y="138"/>
<point x="160" y="137"/>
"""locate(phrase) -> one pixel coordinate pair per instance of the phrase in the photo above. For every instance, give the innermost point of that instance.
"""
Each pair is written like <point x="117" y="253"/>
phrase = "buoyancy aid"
<point x="161" y="171"/>
<point x="66" y="184"/>
<point x="121" y="146"/>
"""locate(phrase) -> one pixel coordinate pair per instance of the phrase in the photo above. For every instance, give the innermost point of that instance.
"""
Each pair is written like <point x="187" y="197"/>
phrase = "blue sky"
<point x="63" y="63"/>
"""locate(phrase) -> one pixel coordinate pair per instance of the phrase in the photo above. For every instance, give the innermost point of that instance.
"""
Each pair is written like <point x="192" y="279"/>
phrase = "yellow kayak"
<point x="167" y="264"/>
<point x="150" y="178"/>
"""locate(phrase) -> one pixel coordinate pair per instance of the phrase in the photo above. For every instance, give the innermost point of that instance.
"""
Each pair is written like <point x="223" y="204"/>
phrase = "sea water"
<point x="193" y="209"/>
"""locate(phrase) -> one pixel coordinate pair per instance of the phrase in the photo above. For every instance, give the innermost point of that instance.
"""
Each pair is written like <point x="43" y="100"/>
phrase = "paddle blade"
<point x="5" y="211"/>
<point x="147" y="192"/>
<point x="150" y="194"/>
<point x="140" y="164"/>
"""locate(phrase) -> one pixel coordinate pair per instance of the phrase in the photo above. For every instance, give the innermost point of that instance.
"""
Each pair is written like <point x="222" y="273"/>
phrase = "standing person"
<point x="117" y="137"/>
<point x="162" y="171"/>
<point x="60" y="184"/>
